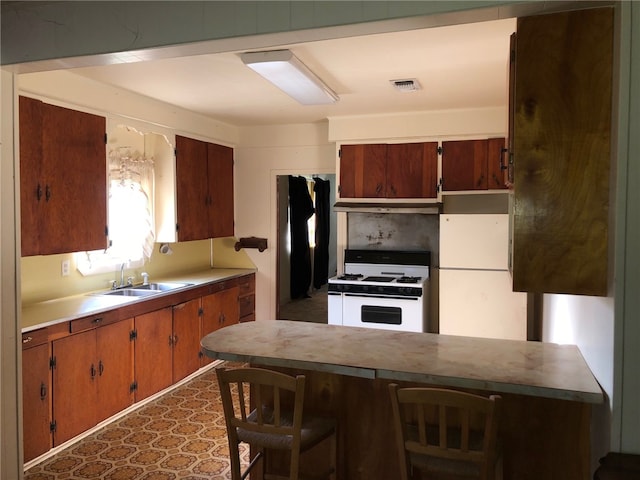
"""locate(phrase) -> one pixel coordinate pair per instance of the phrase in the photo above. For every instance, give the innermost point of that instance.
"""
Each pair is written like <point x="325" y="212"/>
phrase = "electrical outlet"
<point x="65" y="268"/>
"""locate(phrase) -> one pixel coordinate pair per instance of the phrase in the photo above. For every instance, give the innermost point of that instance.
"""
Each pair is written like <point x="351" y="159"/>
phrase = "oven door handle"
<point x="390" y="297"/>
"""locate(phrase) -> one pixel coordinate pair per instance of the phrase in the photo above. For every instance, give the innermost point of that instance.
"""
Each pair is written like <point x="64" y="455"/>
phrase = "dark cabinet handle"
<point x="43" y="391"/>
<point x="502" y="164"/>
<point x="47" y="193"/>
<point x="93" y="371"/>
<point x="100" y="367"/>
<point x="39" y="192"/>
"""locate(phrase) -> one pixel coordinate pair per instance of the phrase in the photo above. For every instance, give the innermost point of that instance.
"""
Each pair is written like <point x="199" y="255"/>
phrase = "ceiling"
<point x="459" y="66"/>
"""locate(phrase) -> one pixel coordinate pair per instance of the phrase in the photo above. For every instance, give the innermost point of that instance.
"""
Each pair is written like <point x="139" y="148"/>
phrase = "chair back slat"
<point x="457" y="427"/>
<point x="273" y="418"/>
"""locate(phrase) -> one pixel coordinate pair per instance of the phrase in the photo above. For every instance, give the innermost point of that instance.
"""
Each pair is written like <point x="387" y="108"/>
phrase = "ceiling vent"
<point x="406" y="85"/>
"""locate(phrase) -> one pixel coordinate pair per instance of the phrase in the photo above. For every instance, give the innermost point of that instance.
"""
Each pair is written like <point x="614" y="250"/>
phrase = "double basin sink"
<point x="145" y="290"/>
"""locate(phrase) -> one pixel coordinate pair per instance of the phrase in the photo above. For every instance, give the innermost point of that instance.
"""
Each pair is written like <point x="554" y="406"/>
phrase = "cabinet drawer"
<point x="34" y="338"/>
<point x="247" y="285"/>
<point x="247" y="304"/>
<point x="92" y="321"/>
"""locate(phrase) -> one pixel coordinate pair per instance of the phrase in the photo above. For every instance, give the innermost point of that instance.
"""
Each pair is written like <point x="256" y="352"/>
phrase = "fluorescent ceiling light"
<point x="285" y="71"/>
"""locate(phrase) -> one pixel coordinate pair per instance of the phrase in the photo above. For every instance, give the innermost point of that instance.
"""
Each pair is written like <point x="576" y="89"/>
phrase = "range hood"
<point x="388" y="207"/>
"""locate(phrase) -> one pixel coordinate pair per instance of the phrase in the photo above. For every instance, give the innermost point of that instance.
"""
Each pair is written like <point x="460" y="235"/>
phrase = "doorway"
<point x="302" y="291"/>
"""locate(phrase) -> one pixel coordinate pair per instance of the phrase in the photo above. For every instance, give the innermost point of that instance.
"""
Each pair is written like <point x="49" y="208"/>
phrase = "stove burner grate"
<point x="379" y="279"/>
<point x="350" y="276"/>
<point x="409" y="280"/>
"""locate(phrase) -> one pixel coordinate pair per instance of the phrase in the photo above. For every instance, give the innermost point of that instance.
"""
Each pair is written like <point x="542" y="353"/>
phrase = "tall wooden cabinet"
<point x="561" y="125"/>
<point x="204" y="187"/>
<point x="63" y="183"/>
<point x="407" y="170"/>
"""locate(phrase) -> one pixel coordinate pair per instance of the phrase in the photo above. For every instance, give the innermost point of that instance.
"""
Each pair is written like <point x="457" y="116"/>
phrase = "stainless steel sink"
<point x="130" y="292"/>
<point x="162" y="287"/>
<point x="145" y="290"/>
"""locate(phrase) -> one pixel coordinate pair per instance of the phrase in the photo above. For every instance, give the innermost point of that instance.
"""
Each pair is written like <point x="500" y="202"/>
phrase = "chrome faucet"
<point x="122" y="275"/>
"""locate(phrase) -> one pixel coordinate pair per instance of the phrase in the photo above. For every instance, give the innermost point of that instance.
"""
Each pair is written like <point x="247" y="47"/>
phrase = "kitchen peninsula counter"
<point x="547" y="389"/>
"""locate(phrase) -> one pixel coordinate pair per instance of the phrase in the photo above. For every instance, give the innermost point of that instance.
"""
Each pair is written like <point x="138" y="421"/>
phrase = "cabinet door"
<point x="192" y="189"/>
<point x="153" y="352"/>
<point x="186" y="339"/>
<point x="363" y="170"/>
<point x="75" y="385"/>
<point x="115" y="368"/>
<point x="74" y="206"/>
<point x="464" y="165"/>
<point x="412" y="170"/>
<point x="31" y="181"/>
<point x="36" y="401"/>
<point x="562" y="152"/>
<point x="496" y="163"/>
<point x="220" y="168"/>
<point x="219" y="309"/>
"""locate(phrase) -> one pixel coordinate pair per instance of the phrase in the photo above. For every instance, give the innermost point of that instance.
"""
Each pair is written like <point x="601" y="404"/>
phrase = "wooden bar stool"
<point x="446" y="433"/>
<point x="273" y="424"/>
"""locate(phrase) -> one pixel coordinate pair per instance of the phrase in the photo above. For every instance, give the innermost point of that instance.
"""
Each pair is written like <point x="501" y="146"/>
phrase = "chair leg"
<point x="234" y="456"/>
<point x="333" y="455"/>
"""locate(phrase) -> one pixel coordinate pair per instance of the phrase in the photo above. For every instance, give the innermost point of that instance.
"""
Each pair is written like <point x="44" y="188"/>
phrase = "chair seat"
<point x="314" y="430"/>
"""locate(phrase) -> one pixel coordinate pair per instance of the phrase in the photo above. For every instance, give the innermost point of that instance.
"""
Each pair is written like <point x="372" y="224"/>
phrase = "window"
<point x="131" y="220"/>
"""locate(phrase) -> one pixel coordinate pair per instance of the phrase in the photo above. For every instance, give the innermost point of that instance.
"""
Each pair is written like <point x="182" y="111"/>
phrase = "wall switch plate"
<point x="65" y="268"/>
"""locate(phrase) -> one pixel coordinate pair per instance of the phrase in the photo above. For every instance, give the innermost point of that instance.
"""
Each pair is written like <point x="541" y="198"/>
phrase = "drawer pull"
<point x="26" y="339"/>
<point x="97" y="320"/>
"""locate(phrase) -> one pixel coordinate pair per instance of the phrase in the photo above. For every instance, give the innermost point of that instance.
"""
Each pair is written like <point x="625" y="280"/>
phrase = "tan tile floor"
<point x="180" y="435"/>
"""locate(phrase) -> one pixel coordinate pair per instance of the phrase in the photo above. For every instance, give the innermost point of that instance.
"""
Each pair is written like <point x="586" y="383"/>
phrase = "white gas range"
<point x="384" y="289"/>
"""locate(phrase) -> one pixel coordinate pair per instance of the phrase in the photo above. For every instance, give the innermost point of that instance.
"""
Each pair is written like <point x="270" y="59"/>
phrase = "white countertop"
<point x="43" y="314"/>
<point x="509" y="366"/>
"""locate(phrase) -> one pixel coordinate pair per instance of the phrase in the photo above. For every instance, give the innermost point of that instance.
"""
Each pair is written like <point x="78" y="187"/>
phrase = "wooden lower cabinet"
<point x="186" y="339"/>
<point x="219" y="310"/>
<point x="92" y="377"/>
<point x="153" y="352"/>
<point x="36" y="398"/>
<point x="247" y="298"/>
<point x="77" y="374"/>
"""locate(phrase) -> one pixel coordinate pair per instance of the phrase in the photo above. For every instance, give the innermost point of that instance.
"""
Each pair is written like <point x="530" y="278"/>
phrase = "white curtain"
<point x="131" y="188"/>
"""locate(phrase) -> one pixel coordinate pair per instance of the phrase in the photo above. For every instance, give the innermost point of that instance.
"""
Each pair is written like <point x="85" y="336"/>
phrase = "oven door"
<point x="383" y="312"/>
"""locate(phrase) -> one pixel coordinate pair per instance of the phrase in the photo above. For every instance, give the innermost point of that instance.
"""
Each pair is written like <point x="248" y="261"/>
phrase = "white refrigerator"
<point x="476" y="297"/>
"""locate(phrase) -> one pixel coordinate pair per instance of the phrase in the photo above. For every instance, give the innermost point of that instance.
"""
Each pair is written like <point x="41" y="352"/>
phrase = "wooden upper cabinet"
<point x="220" y="169"/>
<point x="63" y="179"/>
<point x="363" y="170"/>
<point x="562" y="152"/>
<point x="473" y="164"/>
<point x="412" y="170"/>
<point x="192" y="189"/>
<point x="389" y="171"/>
<point x="204" y="185"/>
